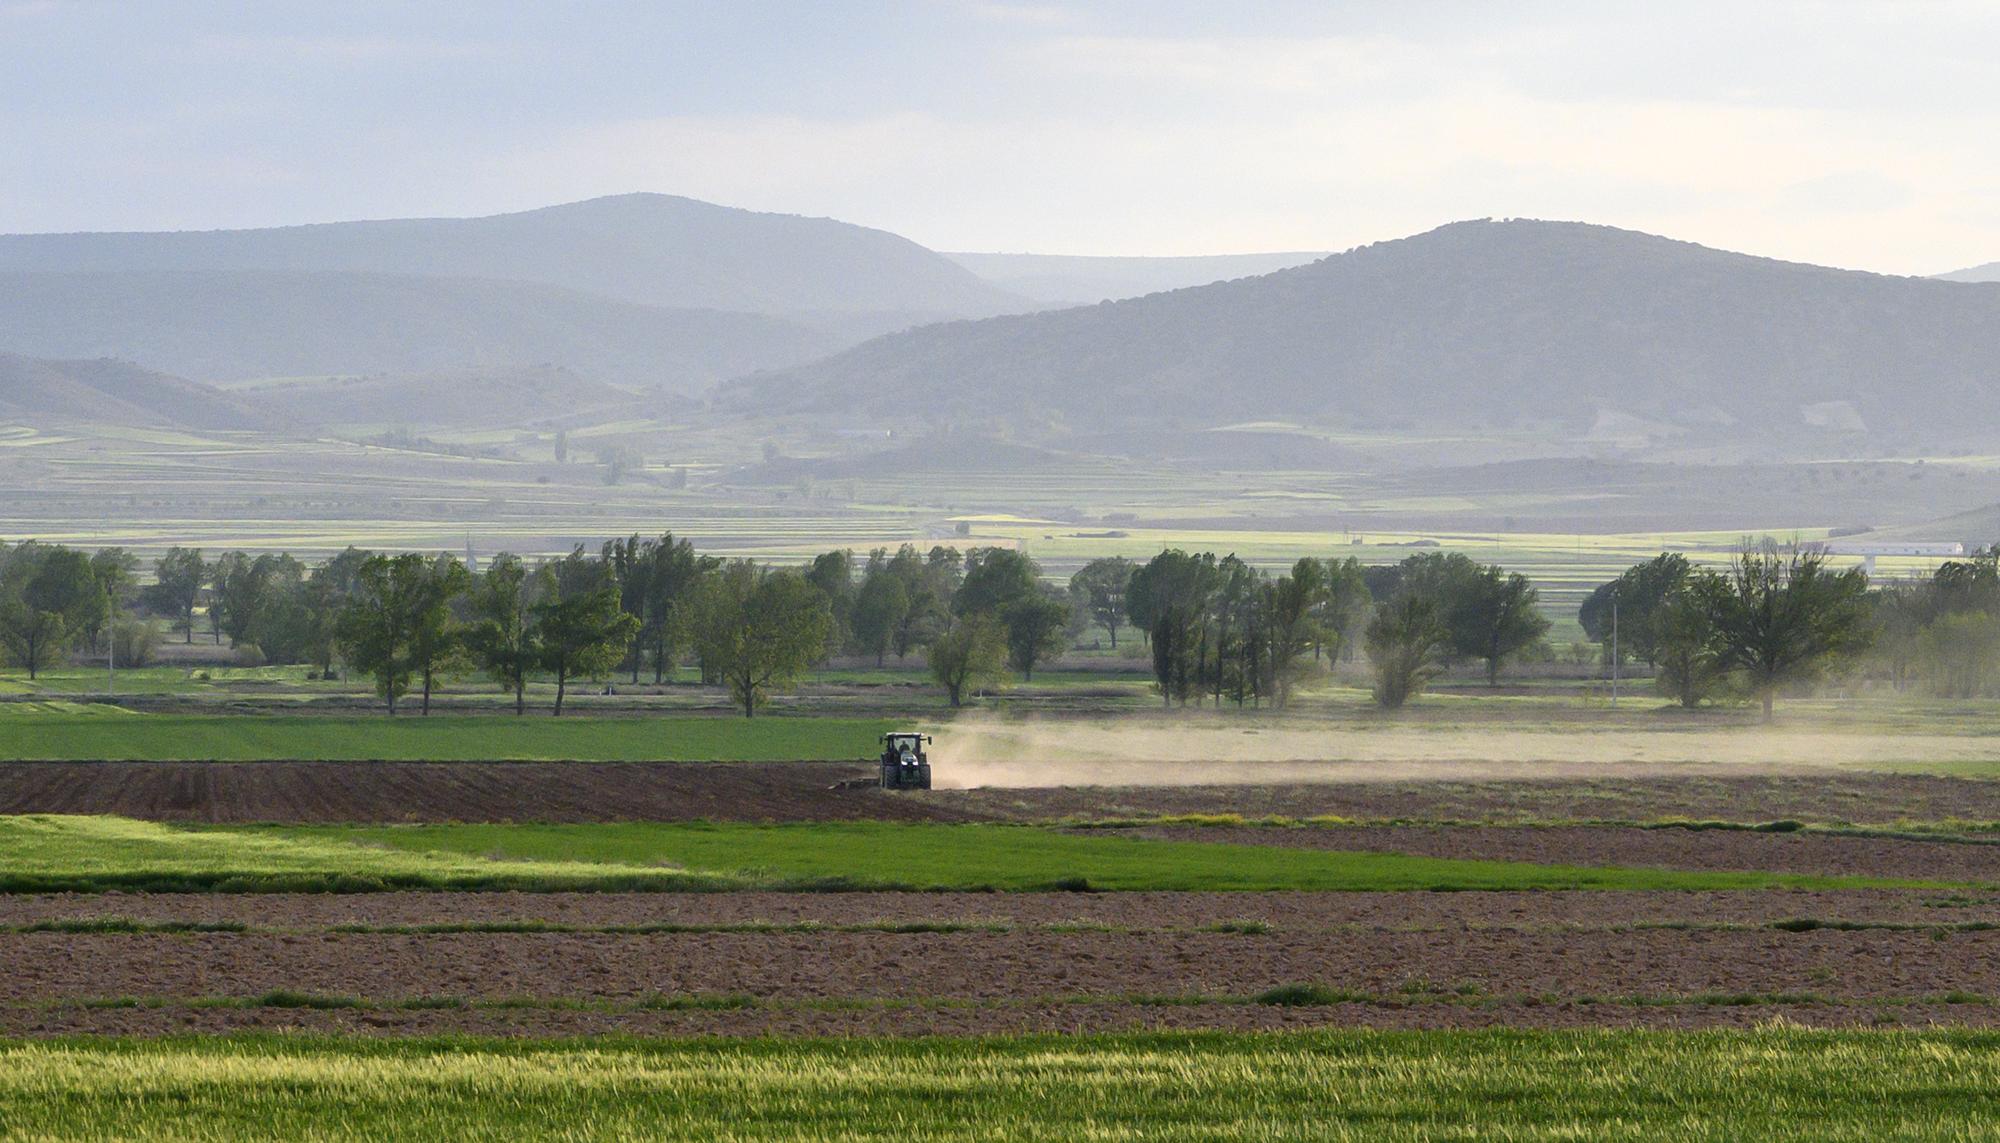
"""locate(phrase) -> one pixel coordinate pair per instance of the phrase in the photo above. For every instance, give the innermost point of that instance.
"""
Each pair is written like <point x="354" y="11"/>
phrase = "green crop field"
<point x="53" y="852"/>
<point x="1000" y="857"/>
<point x="1779" y="1084"/>
<point x="63" y="732"/>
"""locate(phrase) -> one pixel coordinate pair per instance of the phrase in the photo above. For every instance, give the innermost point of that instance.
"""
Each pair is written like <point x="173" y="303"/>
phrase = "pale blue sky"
<point x="1852" y="132"/>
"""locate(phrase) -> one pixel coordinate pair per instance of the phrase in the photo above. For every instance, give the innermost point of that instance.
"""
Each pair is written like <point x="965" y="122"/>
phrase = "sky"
<point x="1858" y="133"/>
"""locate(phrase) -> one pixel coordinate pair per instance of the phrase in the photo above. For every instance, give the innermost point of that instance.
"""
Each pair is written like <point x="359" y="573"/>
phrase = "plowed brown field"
<point x="455" y="791"/>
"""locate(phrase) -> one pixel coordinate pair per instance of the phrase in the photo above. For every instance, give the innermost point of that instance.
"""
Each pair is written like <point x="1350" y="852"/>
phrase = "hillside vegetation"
<point x="1579" y="330"/>
<point x="653" y="249"/>
<point x="221" y="325"/>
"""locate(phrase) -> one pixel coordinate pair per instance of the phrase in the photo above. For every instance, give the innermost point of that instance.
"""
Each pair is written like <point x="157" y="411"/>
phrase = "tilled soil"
<point x="995" y="966"/>
<point x="1400" y="959"/>
<point x="1712" y="849"/>
<point x="1139" y="911"/>
<point x="1826" y="796"/>
<point x="458" y="791"/>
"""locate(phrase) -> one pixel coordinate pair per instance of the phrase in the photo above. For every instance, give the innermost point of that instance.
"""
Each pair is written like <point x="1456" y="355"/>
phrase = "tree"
<point x="436" y="639"/>
<point x="584" y="633"/>
<point x="1408" y="643"/>
<point x="994" y="578"/>
<point x="1290" y="624"/>
<point x="1493" y="617"/>
<point x="1037" y="630"/>
<point x="833" y="574"/>
<point x="1342" y="607"/>
<point x="969" y="656"/>
<point x="1783" y="617"/>
<point x="1686" y="647"/>
<point x="47" y="596"/>
<point x="879" y="609"/>
<point x="503" y="636"/>
<point x="1961" y="654"/>
<point x="673" y="570"/>
<point x="177" y="581"/>
<point x="759" y="631"/>
<point x="378" y="625"/>
<point x="1098" y="591"/>
<point x="1638" y="591"/>
<point x="1172" y="593"/>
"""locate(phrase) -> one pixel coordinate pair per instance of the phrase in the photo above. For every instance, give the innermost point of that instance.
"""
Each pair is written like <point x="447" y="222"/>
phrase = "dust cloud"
<point x="994" y="752"/>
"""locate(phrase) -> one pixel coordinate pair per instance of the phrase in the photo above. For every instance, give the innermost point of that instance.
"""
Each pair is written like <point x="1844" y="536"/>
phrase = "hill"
<point x="1073" y="280"/>
<point x="222" y="325"/>
<point x="1584" y="332"/>
<point x="458" y="399"/>
<point x="1987" y="273"/>
<point x="118" y="393"/>
<point x="652" y="249"/>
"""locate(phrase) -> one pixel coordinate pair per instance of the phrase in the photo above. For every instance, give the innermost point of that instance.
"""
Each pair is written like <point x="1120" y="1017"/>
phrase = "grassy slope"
<point x="104" y="733"/>
<point x="1011" y="858"/>
<point x="1769" y="1084"/>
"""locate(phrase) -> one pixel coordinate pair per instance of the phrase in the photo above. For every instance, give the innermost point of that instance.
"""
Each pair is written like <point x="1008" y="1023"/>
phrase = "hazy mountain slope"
<point x="462" y="398"/>
<point x="233" y="324"/>
<point x="1475" y="325"/>
<point x="655" y="249"/>
<point x="1987" y="273"/>
<point x="115" y="392"/>
<point x="1061" y="279"/>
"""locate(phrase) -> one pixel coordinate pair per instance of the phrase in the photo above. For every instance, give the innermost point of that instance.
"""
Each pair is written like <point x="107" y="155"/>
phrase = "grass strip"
<point x="1776" y="1083"/>
<point x="69" y="736"/>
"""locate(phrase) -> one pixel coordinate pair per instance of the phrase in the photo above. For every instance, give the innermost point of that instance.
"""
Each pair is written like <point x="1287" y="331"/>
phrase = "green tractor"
<point x="905" y="765"/>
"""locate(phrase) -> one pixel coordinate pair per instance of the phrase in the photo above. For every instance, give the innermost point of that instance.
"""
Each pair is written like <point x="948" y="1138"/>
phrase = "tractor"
<point x="905" y="765"/>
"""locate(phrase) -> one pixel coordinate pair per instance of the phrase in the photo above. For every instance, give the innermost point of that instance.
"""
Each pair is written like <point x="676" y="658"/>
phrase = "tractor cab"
<point x="905" y="765"/>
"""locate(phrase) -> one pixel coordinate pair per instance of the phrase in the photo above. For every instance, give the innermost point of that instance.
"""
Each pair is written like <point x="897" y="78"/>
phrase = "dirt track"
<point x="454" y="791"/>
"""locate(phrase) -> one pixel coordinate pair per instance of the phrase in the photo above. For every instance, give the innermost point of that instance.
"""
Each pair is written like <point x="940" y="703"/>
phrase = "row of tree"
<point x="1217" y="630"/>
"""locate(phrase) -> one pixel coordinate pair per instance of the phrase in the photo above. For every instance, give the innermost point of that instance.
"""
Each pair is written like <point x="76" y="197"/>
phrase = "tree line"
<point x="1216" y="630"/>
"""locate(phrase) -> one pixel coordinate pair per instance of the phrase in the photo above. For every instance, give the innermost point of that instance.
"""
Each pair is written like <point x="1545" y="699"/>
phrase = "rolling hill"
<point x="118" y="393"/>
<point x="1075" y="280"/>
<point x="1987" y="273"/>
<point x="1582" y="332"/>
<point x="652" y="249"/>
<point x="224" y="325"/>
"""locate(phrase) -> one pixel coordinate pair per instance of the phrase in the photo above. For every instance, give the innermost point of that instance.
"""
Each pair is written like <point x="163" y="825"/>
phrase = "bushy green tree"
<point x="503" y="636"/>
<point x="1408" y="644"/>
<point x="1493" y="615"/>
<point x="968" y="657"/>
<point x="879" y="609"/>
<point x="759" y="631"/>
<point x="1098" y="589"/>
<point x="1783" y="617"/>
<point x="178" y="577"/>
<point x="582" y="630"/>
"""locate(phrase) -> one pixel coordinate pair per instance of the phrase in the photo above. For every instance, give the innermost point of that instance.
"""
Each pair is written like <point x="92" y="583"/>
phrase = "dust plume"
<point x="985" y="750"/>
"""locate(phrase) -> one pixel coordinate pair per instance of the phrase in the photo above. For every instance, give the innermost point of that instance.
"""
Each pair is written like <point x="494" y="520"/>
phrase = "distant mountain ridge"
<point x="1066" y="279"/>
<point x="655" y="249"/>
<point x="1574" y="328"/>
<point x="1990" y="272"/>
<point x="638" y="290"/>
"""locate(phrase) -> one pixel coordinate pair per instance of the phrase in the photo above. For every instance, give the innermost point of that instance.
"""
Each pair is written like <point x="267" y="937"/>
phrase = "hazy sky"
<point x="1860" y="133"/>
